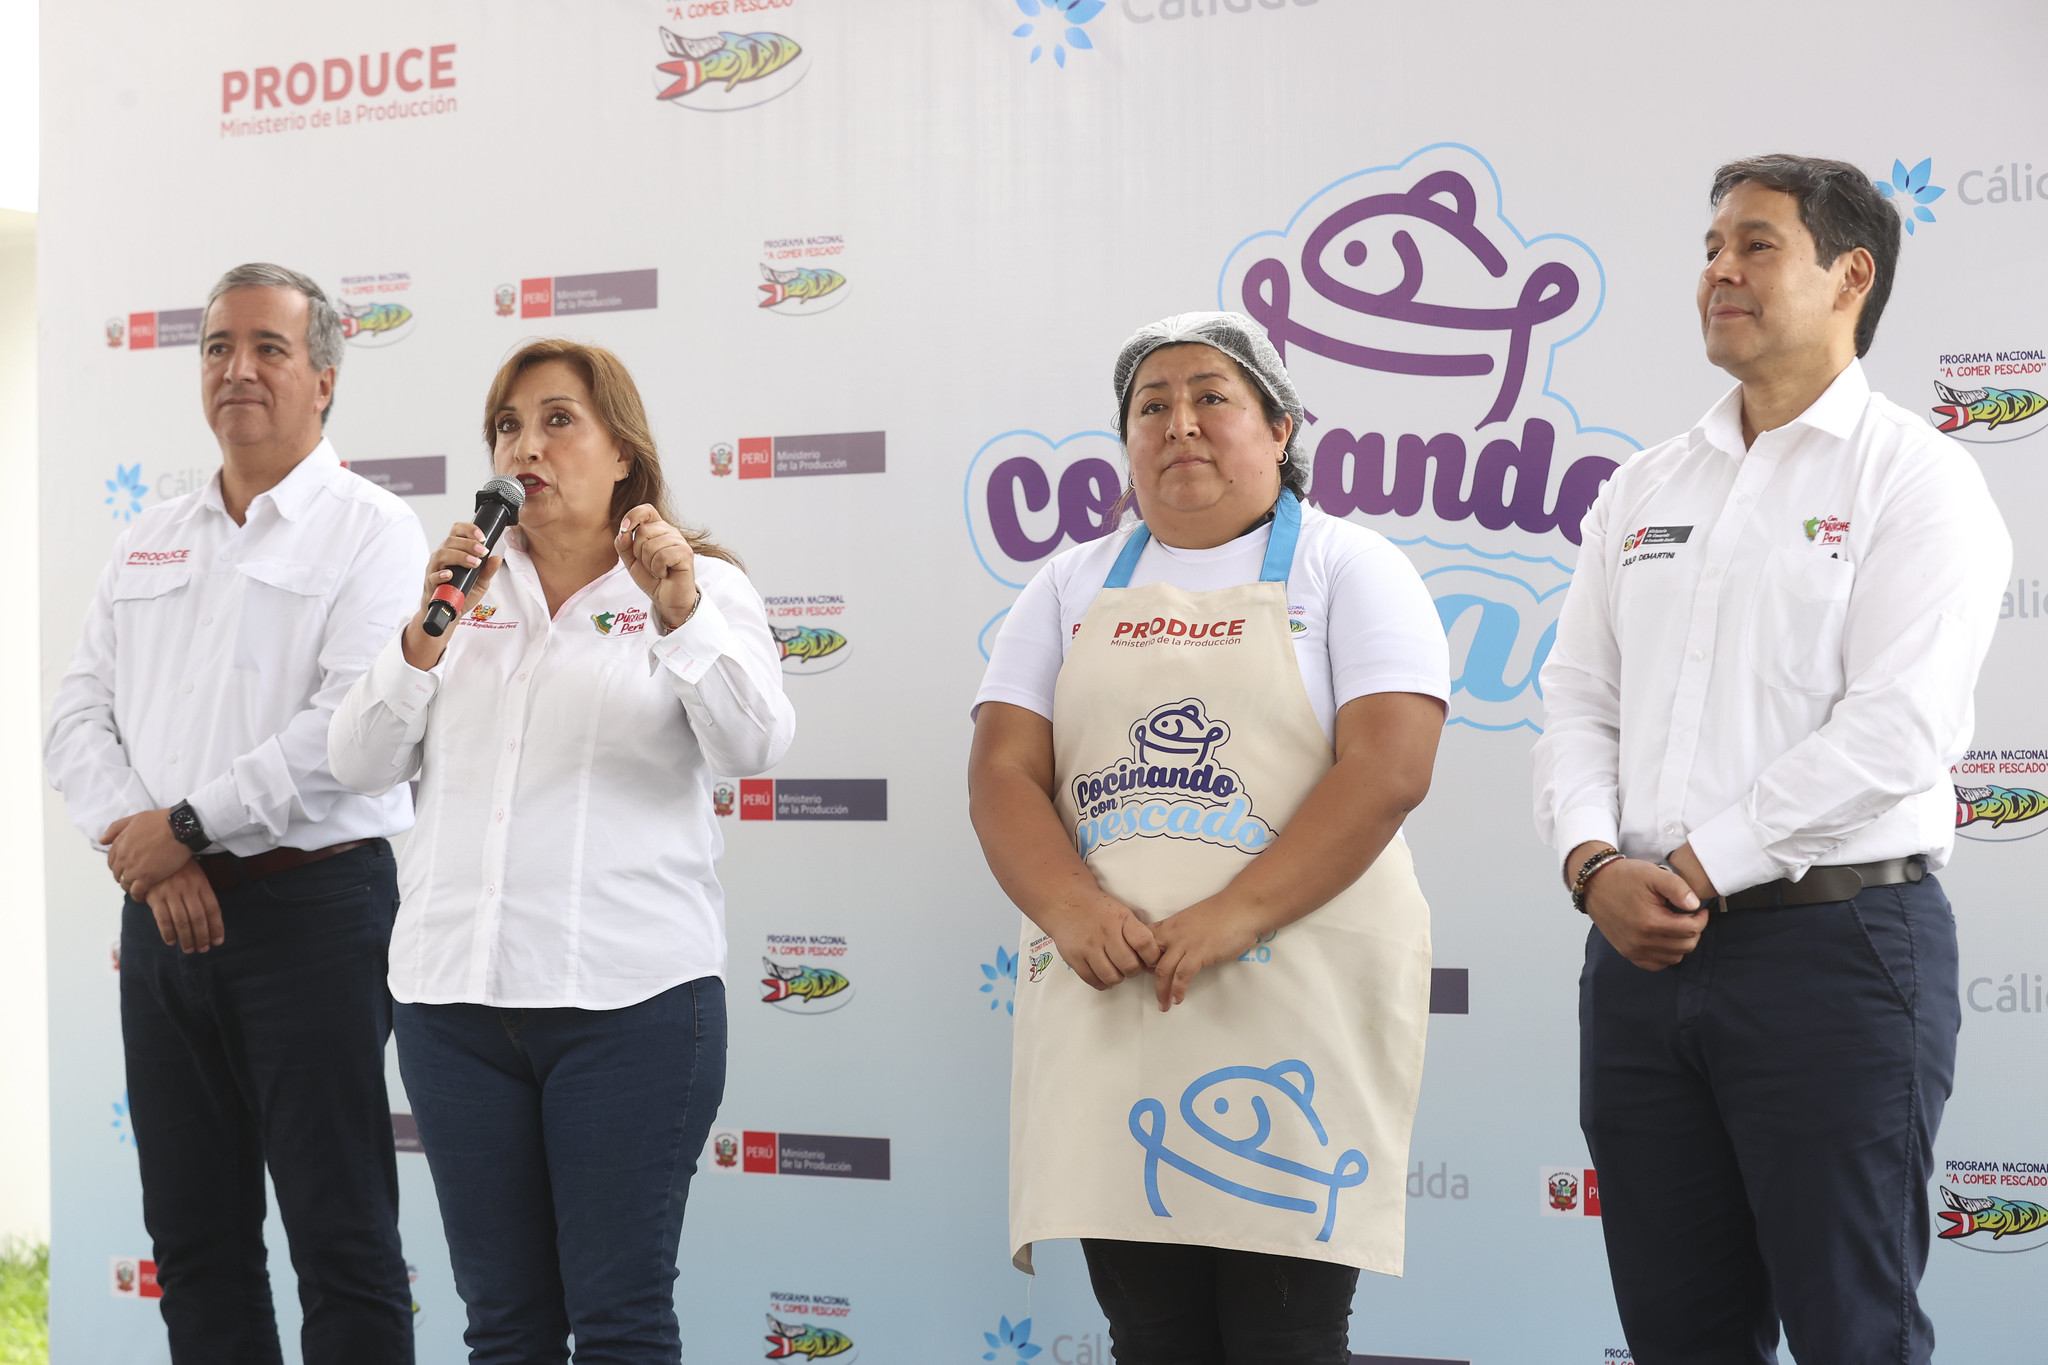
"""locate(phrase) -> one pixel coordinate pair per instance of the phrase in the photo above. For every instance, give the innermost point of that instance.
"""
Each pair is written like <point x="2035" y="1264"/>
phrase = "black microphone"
<point x="497" y="506"/>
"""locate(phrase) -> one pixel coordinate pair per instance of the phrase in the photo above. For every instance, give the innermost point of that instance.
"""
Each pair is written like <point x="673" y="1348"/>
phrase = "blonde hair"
<point x="617" y="400"/>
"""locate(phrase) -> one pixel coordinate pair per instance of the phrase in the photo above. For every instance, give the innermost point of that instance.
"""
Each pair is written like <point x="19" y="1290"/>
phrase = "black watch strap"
<point x="186" y="829"/>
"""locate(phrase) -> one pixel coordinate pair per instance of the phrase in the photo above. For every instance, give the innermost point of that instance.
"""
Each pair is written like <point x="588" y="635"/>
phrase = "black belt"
<point x="1821" y="885"/>
<point x="225" y="871"/>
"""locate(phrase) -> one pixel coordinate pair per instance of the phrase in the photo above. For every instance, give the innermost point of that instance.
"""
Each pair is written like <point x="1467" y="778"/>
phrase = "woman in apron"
<point x="1193" y="751"/>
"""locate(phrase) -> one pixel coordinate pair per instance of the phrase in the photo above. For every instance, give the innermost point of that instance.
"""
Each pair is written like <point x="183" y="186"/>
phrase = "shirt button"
<point x="501" y="817"/>
<point x="1699" y="654"/>
<point x="520" y="678"/>
<point x="206" y="620"/>
<point x="490" y="891"/>
<point x="188" y="687"/>
<point x="172" y="758"/>
<point x="1744" y="498"/>
<point x="1671" y="829"/>
<point x="512" y="747"/>
<point x="1714" y="572"/>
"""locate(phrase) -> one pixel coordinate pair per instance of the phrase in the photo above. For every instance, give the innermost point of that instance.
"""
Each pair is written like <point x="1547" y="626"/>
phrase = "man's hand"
<point x="1103" y="941"/>
<point x="1649" y="915"/>
<point x="144" y="851"/>
<point x="186" y="912"/>
<point x="1204" y="934"/>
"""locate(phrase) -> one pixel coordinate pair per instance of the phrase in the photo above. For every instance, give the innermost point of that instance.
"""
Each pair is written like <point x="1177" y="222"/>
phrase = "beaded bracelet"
<point x="1585" y="877"/>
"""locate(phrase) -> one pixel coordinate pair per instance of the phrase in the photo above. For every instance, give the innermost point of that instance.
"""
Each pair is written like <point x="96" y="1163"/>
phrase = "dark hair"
<point x="617" y="400"/>
<point x="1840" y="207"/>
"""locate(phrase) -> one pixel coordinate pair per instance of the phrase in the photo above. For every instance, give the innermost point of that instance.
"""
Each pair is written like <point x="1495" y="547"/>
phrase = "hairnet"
<point x="1234" y="334"/>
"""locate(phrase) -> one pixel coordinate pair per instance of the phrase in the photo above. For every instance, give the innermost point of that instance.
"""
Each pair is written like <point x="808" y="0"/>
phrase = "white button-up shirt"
<point x="214" y="655"/>
<point x="1770" y="653"/>
<point x="566" y="841"/>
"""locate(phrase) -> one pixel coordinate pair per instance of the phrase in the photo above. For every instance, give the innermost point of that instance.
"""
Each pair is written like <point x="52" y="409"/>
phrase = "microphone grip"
<point x="493" y="517"/>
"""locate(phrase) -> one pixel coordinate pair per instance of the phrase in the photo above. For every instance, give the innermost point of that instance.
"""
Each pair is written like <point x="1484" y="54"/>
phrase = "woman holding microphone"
<point x="1193" y="751"/>
<point x="560" y="940"/>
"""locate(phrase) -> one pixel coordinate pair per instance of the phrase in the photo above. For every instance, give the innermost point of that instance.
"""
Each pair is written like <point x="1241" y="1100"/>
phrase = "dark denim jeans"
<point x="1188" y="1305"/>
<point x="562" y="1143"/>
<point x="270" y="1050"/>
<point x="1762" y="1117"/>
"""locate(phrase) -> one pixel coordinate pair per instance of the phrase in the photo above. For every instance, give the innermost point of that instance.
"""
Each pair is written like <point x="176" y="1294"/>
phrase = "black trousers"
<point x="1762" y="1117"/>
<point x="270" y="1050"/>
<point x="1189" y="1305"/>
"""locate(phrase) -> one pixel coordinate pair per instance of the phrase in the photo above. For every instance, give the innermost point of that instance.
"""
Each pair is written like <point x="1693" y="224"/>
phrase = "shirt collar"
<point x="1836" y="412"/>
<point x="296" y="490"/>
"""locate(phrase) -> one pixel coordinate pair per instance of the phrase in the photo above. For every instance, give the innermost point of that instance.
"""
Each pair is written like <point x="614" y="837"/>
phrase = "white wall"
<point x="24" y="998"/>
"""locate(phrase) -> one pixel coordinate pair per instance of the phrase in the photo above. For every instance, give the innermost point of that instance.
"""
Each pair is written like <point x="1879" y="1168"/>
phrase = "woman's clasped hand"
<point x="1106" y="943"/>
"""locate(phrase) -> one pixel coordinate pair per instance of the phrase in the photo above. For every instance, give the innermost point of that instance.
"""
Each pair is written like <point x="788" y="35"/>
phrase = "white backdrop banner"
<point x="871" y="263"/>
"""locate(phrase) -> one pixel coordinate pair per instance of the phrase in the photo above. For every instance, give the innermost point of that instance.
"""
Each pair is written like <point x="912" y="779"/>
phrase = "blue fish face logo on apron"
<point x="1172" y="787"/>
<point x="1237" y="1099"/>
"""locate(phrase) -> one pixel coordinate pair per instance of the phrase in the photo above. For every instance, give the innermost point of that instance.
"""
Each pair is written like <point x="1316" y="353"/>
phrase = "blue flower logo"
<point x="1911" y="192"/>
<point x="122" y="1131"/>
<point x="1062" y="20"/>
<point x="1008" y="1343"/>
<point x="1004" y="969"/>
<point x="125" y="491"/>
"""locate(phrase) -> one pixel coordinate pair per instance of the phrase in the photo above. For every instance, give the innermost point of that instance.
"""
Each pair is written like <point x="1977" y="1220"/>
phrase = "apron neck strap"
<point x="1279" y="546"/>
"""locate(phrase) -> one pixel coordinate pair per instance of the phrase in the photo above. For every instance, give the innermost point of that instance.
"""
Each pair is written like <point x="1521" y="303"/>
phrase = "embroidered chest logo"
<point x="1825" y="530"/>
<point x="1171" y="787"/>
<point x="1250" y="1130"/>
<point x="150" y="559"/>
<point x="1037" y="957"/>
<point x="480" y="618"/>
<point x="625" y="621"/>
<point x="1170" y="630"/>
<point x="1644" y="543"/>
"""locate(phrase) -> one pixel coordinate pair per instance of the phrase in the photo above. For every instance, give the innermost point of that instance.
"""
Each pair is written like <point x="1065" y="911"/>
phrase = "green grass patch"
<point x="24" y="1304"/>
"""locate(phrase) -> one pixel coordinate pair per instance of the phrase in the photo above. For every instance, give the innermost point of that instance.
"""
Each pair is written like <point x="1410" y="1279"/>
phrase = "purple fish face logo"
<point x="1420" y="324"/>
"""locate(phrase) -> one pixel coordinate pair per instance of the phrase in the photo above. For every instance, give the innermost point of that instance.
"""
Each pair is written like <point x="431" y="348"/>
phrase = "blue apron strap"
<point x="1127" y="562"/>
<point x="1280" y="545"/>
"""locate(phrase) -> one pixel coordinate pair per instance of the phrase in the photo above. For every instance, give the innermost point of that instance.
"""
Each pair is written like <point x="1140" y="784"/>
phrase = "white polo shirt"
<point x="214" y="654"/>
<point x="1770" y="653"/>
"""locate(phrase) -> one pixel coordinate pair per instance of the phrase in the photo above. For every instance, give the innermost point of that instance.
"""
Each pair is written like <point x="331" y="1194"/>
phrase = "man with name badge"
<point x="189" y="739"/>
<point x="1762" y="675"/>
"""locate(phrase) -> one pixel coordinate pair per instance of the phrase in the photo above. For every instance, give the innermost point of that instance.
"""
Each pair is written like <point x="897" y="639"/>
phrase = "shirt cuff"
<point x="692" y="648"/>
<point x="218" y="805"/>
<point x="1730" y="853"/>
<point x="396" y="683"/>
<point x="1585" y="825"/>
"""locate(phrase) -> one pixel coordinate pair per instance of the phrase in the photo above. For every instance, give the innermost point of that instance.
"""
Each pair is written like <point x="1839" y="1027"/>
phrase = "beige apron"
<point x="1271" y="1110"/>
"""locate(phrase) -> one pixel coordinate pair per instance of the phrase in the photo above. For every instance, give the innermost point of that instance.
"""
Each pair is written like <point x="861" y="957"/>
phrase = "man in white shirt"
<point x="189" y="739"/>
<point x="1762" y="674"/>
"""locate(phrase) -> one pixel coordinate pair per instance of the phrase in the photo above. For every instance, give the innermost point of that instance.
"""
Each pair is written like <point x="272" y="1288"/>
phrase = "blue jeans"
<point x="1762" y="1117"/>
<point x="562" y="1142"/>
<point x="270" y="1050"/>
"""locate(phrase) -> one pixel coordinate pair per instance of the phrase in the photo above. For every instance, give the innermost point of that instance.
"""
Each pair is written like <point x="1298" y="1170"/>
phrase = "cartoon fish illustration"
<point x="730" y="57"/>
<point x="1989" y="1213"/>
<point x="1999" y="805"/>
<point x="1040" y="963"/>
<point x="806" y="1339"/>
<point x="807" y="642"/>
<point x="802" y="284"/>
<point x="1958" y="408"/>
<point x="800" y="983"/>
<point x="374" y="318"/>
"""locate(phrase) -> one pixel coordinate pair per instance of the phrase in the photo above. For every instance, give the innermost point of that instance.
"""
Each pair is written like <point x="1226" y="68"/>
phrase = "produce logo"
<point x="723" y="796"/>
<point x="806" y="973"/>
<point x="725" y="1149"/>
<point x="134" y="1278"/>
<point x="721" y="459"/>
<point x="506" y="300"/>
<point x="1994" y="1206"/>
<point x="116" y="329"/>
<point x="1564" y="1192"/>
<point x="725" y="70"/>
<point x="1261" y="1145"/>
